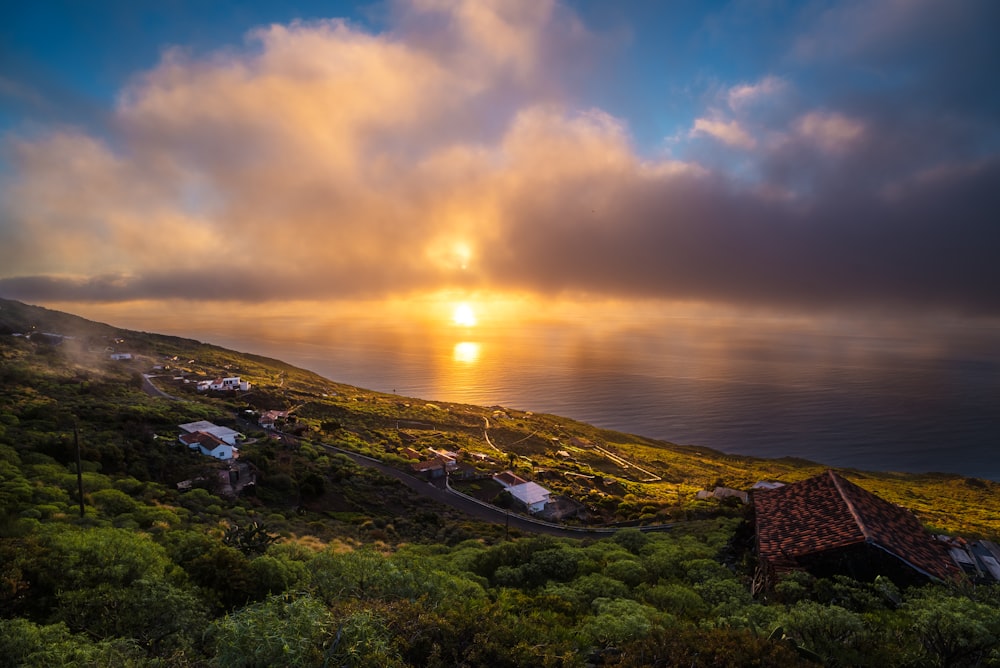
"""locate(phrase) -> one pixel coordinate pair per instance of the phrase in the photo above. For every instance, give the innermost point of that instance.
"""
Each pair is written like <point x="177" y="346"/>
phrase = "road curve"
<point x="153" y="390"/>
<point x="478" y="509"/>
<point x="483" y="511"/>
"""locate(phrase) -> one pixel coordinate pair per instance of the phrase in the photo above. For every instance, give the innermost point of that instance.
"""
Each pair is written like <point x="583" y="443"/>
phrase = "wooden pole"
<point x="79" y="467"/>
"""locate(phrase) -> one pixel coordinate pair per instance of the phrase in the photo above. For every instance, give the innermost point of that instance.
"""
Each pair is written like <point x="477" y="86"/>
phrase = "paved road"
<point x="153" y="390"/>
<point x="480" y="510"/>
<point x="477" y="509"/>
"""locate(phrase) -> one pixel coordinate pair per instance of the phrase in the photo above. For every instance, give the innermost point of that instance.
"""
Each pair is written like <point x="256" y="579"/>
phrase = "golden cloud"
<point x="320" y="154"/>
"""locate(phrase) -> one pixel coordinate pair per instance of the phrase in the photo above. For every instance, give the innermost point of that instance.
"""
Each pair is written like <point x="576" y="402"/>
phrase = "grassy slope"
<point x="380" y="424"/>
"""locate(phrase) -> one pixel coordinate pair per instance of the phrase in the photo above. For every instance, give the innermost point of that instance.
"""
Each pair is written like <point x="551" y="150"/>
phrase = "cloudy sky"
<point x="755" y="152"/>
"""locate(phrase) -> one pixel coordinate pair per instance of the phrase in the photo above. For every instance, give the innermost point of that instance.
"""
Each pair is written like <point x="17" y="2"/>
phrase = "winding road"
<point x="481" y="510"/>
<point x="473" y="507"/>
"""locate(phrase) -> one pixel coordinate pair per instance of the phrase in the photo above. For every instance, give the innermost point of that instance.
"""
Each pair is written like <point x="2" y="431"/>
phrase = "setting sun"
<point x="464" y="316"/>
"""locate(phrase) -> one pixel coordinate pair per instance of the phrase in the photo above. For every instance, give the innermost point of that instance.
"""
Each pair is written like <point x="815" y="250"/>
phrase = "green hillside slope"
<point x="176" y="561"/>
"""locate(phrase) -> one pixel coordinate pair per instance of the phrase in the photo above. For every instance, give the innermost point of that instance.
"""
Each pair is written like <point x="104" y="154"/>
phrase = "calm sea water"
<point x="872" y="394"/>
<point x="903" y="397"/>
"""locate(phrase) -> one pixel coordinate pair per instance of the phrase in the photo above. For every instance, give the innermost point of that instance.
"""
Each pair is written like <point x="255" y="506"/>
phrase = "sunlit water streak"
<point x="878" y="403"/>
<point x="903" y="396"/>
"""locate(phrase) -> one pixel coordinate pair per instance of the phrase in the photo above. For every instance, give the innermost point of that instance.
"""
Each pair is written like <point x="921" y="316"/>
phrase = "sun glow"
<point x="464" y="316"/>
<point x="466" y="352"/>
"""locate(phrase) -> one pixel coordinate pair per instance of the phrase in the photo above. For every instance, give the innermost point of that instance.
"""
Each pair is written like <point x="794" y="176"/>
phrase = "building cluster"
<point x="443" y="463"/>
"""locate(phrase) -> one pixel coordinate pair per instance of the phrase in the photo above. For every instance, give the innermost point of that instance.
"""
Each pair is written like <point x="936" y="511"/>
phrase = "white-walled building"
<point x="229" y="384"/>
<point x="209" y="445"/>
<point x="224" y="434"/>
<point x="532" y="495"/>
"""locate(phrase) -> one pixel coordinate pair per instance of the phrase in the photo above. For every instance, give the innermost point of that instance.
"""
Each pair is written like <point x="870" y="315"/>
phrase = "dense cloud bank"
<point x="452" y="150"/>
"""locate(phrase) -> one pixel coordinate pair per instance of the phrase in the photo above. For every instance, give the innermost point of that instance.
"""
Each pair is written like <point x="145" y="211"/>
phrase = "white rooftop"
<point x="221" y="433"/>
<point x="529" y="493"/>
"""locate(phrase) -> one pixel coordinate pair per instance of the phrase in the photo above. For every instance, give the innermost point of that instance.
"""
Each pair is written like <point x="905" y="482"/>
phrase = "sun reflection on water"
<point x="466" y="352"/>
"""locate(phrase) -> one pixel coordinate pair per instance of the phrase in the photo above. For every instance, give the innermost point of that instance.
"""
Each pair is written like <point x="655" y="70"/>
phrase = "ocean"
<point x="915" y="395"/>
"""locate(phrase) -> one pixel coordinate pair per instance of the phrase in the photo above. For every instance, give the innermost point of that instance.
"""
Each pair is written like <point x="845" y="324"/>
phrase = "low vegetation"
<point x="322" y="562"/>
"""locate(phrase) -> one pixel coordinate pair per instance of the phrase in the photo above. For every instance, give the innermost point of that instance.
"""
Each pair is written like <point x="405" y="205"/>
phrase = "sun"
<point x="464" y="316"/>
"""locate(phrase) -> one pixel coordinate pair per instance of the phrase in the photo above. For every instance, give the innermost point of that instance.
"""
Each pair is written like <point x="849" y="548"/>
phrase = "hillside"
<point x="322" y="561"/>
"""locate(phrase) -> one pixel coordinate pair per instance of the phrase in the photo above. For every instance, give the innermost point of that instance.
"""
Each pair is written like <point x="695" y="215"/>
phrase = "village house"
<point x="828" y="526"/>
<point x="434" y="468"/>
<point x="268" y="419"/>
<point x="224" y="434"/>
<point x="208" y="445"/>
<point x="447" y="454"/>
<point x="531" y="495"/>
<point x="508" y="479"/>
<point x="979" y="560"/>
<point x="410" y="453"/>
<point x="228" y="384"/>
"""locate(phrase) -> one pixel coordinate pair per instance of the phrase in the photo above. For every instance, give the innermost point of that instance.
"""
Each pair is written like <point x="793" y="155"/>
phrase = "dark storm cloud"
<point x="932" y="244"/>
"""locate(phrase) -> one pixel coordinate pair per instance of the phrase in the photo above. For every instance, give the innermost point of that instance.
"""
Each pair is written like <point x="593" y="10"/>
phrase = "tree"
<point x="281" y="631"/>
<point x="830" y="631"/>
<point x="954" y="630"/>
<point x="363" y="639"/>
<point x="81" y="559"/>
<point x="632" y="540"/>
<point x="29" y="645"/>
<point x="617" y="621"/>
<point x="161" y="617"/>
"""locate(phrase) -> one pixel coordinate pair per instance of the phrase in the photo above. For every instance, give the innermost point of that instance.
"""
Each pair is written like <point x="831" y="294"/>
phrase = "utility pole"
<point x="79" y="466"/>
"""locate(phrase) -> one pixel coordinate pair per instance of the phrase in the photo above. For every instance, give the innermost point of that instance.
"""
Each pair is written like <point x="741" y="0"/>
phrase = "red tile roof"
<point x="205" y="440"/>
<point x="429" y="465"/>
<point x="509" y="479"/>
<point x="827" y="512"/>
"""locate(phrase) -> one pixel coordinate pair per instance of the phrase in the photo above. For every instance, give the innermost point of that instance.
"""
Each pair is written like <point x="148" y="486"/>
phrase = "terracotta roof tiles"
<point x="827" y="512"/>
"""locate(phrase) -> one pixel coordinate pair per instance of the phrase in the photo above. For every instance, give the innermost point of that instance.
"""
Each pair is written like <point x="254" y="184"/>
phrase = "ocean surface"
<point x="875" y="394"/>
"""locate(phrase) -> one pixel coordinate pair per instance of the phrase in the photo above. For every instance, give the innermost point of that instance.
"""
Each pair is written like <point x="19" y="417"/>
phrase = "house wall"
<point x="863" y="562"/>
<point x="223" y="452"/>
<point x="537" y="507"/>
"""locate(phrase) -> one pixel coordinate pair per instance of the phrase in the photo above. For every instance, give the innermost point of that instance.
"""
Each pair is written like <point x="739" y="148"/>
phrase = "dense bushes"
<point x="332" y="564"/>
<point x="100" y="594"/>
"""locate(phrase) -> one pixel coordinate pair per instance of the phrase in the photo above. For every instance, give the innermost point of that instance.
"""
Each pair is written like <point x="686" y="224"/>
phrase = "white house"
<point x="532" y="495"/>
<point x="208" y="444"/>
<point x="224" y="434"/>
<point x="231" y="383"/>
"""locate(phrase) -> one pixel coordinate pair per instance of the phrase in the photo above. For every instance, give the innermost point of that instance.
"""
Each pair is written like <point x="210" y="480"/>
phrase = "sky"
<point x="757" y="153"/>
